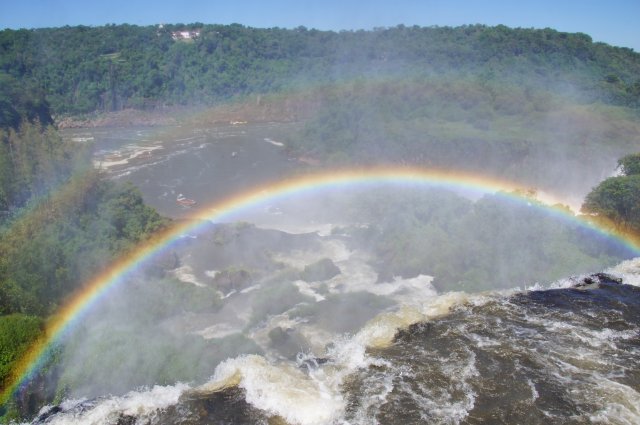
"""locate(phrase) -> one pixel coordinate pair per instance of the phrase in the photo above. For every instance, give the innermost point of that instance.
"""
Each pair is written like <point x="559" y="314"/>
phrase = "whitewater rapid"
<point x="562" y="355"/>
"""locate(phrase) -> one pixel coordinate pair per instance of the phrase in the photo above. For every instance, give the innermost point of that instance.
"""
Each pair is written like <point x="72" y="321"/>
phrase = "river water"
<point x="202" y="163"/>
<point x="254" y="323"/>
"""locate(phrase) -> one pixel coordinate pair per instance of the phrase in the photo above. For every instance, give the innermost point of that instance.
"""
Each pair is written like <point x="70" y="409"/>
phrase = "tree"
<point x="617" y="199"/>
<point x="17" y="331"/>
<point x="630" y="164"/>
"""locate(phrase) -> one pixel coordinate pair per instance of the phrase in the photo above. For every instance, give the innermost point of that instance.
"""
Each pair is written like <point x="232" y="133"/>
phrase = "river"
<point x="206" y="164"/>
<point x="255" y="323"/>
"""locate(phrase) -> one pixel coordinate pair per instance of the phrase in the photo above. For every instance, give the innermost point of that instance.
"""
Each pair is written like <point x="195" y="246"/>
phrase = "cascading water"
<point x="304" y="318"/>
<point x="565" y="355"/>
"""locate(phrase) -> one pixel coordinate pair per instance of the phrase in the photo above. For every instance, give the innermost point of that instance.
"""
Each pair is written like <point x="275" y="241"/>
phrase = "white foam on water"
<point x="534" y="392"/>
<point x="620" y="403"/>
<point x="333" y="249"/>
<point x="185" y="274"/>
<point x="219" y="330"/>
<point x="130" y="152"/>
<point x="251" y="288"/>
<point x="356" y="275"/>
<point x="273" y="142"/>
<point x="438" y="406"/>
<point x="407" y="291"/>
<point x="628" y="270"/>
<point x="380" y="331"/>
<point x="141" y="404"/>
<point x="280" y="390"/>
<point x="212" y="273"/>
<point x="376" y="389"/>
<point x="315" y="397"/>
<point x="306" y="289"/>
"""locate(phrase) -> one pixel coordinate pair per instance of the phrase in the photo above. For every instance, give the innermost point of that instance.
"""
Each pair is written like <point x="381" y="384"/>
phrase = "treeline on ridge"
<point x="533" y="137"/>
<point x="84" y="69"/>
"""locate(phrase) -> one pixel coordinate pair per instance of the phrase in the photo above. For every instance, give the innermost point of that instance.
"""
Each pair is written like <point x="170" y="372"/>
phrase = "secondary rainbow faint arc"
<point x="118" y="270"/>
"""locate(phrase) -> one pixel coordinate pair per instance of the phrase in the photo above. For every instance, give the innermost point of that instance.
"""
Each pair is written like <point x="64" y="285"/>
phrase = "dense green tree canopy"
<point x="630" y="164"/>
<point x="490" y="243"/>
<point x="617" y="199"/>
<point x="60" y="221"/>
<point x="20" y="101"/>
<point x="84" y="69"/>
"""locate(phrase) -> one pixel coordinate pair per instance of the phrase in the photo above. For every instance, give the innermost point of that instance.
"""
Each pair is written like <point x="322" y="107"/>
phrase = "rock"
<point x="596" y="279"/>
<point x="324" y="269"/>
<point x="232" y="280"/>
<point x="288" y="342"/>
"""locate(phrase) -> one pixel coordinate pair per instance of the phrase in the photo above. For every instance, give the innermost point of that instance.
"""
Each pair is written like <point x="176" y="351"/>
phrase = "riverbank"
<point x="123" y="118"/>
<point x="282" y="108"/>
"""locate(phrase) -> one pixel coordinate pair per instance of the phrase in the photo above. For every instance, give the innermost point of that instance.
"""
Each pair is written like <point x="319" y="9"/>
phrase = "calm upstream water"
<point x="285" y="320"/>
<point x="204" y="164"/>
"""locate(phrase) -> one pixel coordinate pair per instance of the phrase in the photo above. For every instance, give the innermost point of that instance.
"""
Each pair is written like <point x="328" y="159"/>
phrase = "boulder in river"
<point x="324" y="269"/>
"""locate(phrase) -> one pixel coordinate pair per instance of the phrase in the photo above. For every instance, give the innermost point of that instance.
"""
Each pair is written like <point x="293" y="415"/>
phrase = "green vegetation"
<point x="494" y="242"/>
<point x="524" y="104"/>
<point x="493" y="100"/>
<point x="616" y="201"/>
<point x="84" y="69"/>
<point x="484" y="127"/>
<point x="17" y="332"/>
<point x="33" y="158"/>
<point x="134" y="350"/>
<point x="63" y="241"/>
<point x="60" y="221"/>
<point x="630" y="164"/>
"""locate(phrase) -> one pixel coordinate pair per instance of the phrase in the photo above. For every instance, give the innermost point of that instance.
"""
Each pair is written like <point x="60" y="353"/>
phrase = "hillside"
<point x="85" y="69"/>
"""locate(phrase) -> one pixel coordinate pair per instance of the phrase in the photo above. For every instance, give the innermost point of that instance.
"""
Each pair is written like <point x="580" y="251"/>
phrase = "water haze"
<point x="384" y="304"/>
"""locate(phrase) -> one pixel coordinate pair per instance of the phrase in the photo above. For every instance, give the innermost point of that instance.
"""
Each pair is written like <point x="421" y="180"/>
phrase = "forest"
<point x="85" y="69"/>
<point x="497" y="100"/>
<point x="61" y="221"/>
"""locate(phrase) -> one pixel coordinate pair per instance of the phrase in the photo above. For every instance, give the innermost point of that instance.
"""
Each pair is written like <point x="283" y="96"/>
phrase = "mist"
<point x="309" y="271"/>
<point x="314" y="289"/>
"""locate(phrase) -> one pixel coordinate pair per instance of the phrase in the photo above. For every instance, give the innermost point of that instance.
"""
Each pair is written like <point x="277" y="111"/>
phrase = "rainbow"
<point x="117" y="272"/>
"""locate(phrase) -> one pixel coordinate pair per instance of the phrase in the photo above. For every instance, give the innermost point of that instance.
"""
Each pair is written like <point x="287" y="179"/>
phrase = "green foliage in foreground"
<point x="57" y="246"/>
<point x="17" y="332"/>
<point x="60" y="224"/>
<point x="62" y="242"/>
<point x="630" y="164"/>
<point x="34" y="161"/>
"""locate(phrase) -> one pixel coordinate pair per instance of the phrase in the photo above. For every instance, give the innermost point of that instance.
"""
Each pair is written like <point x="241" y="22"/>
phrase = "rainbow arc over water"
<point x="118" y="272"/>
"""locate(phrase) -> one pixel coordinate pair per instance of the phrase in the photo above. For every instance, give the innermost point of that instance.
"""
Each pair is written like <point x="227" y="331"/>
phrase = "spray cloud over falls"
<point x="357" y="297"/>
